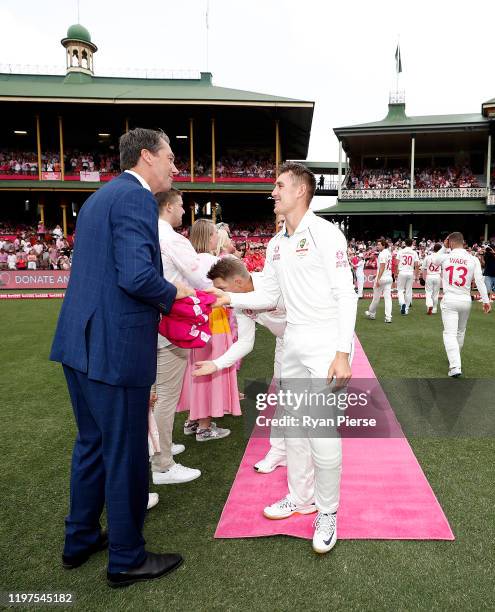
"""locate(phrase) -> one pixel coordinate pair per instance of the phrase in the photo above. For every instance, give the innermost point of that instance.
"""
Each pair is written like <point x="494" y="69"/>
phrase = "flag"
<point x="398" y="61"/>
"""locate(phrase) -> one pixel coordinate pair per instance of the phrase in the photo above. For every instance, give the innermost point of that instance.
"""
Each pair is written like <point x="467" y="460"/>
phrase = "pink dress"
<point x="216" y="394"/>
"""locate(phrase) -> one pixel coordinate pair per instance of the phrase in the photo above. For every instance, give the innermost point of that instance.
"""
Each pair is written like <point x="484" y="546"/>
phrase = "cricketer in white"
<point x="459" y="268"/>
<point x="231" y="274"/>
<point x="307" y="264"/>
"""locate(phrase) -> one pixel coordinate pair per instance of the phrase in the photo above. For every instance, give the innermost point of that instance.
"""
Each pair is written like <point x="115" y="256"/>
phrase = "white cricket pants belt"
<point x="432" y="289"/>
<point x="360" y="282"/>
<point x="384" y="288"/>
<point x="314" y="464"/>
<point x="405" y="288"/>
<point x="455" y="315"/>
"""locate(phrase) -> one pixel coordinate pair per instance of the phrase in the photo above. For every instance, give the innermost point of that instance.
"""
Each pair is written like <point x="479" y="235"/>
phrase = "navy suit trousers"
<point x="109" y="467"/>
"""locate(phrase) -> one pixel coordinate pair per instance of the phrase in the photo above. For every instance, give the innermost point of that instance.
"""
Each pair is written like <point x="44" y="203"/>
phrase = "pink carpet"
<point x="384" y="493"/>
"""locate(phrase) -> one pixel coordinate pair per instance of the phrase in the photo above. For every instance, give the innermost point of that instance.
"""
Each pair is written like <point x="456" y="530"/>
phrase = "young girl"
<point x="217" y="394"/>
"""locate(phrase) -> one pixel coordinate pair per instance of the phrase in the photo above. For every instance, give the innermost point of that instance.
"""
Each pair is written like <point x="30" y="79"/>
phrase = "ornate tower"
<point x="79" y="50"/>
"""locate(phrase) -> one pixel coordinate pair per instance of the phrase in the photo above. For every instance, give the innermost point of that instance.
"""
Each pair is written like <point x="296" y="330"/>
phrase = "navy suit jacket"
<point x="107" y="327"/>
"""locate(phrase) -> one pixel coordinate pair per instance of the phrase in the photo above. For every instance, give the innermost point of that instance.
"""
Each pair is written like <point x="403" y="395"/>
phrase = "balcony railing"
<point x="328" y="185"/>
<point x="418" y="194"/>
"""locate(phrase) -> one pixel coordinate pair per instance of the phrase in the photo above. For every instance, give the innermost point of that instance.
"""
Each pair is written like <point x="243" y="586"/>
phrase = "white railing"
<point x="137" y="73"/>
<point x="328" y="185"/>
<point x="397" y="97"/>
<point x="418" y="194"/>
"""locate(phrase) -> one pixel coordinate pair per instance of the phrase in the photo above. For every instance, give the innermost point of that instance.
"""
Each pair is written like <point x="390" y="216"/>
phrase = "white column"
<point x="485" y="235"/>
<point x="413" y="141"/>
<point x="410" y="234"/>
<point x="488" y="161"/>
<point x="340" y="169"/>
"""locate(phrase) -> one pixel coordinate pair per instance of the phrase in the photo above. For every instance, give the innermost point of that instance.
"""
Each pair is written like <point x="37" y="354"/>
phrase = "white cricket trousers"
<point x="314" y="464"/>
<point x="405" y="288"/>
<point x="277" y="441"/>
<point x="432" y="289"/>
<point x="384" y="288"/>
<point x="455" y="315"/>
<point x="360" y="281"/>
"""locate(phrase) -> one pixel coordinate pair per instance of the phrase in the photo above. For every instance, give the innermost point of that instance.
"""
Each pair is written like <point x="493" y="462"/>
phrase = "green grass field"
<point x="272" y="574"/>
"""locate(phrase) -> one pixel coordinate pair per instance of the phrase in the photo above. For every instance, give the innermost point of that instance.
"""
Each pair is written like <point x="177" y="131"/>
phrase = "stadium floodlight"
<point x="182" y="137"/>
<point x="20" y="132"/>
<point x="103" y="134"/>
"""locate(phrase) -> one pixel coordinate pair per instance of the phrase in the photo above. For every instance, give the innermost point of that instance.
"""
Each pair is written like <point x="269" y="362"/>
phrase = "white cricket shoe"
<point x="434" y="311"/>
<point x="325" y="535"/>
<point x="152" y="500"/>
<point x="388" y="319"/>
<point x="177" y="449"/>
<point x="370" y="315"/>
<point x="269" y="463"/>
<point x="285" y="508"/>
<point x="177" y="474"/>
<point x="455" y="372"/>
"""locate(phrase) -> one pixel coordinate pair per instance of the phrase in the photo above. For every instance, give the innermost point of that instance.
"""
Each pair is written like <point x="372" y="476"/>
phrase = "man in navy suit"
<point x="106" y="341"/>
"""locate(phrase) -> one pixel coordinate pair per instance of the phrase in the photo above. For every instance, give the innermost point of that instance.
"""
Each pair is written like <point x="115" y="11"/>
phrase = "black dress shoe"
<point x="155" y="566"/>
<point x="77" y="560"/>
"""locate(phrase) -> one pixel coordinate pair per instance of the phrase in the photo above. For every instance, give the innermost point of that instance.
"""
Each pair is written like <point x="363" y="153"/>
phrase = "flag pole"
<point x="397" y="60"/>
<point x="207" y="34"/>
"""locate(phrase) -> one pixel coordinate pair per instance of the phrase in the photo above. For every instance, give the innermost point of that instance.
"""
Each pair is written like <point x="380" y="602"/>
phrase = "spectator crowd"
<point x="25" y="163"/>
<point x="229" y="167"/>
<point x="34" y="248"/>
<point x="400" y="178"/>
<point x="22" y="163"/>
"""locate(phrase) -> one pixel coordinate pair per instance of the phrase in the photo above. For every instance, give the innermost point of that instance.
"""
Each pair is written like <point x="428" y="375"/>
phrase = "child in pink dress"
<point x="215" y="395"/>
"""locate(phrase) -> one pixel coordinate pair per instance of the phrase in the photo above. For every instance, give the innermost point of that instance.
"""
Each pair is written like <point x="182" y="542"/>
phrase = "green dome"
<point x="78" y="32"/>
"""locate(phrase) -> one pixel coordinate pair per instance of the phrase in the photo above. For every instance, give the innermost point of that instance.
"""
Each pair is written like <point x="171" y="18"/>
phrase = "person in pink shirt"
<point x="180" y="263"/>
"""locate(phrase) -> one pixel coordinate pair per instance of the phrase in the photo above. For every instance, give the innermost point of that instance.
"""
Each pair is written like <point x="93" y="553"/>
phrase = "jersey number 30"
<point x="460" y="275"/>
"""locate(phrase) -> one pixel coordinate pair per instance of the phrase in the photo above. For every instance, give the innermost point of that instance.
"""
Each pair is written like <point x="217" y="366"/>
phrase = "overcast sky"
<point x="340" y="55"/>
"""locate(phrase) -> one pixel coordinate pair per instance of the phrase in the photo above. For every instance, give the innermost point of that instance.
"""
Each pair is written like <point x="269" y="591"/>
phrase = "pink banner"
<point x="34" y="279"/>
<point x="51" y="176"/>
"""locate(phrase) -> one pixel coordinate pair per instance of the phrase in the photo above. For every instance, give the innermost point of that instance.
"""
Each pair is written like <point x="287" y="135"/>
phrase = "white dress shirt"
<point x="139" y="178"/>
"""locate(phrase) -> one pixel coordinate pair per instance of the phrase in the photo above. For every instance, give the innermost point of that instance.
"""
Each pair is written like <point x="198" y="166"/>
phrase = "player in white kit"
<point x="408" y="262"/>
<point x="307" y="263"/>
<point x="459" y="268"/>
<point x="432" y="277"/>
<point x="383" y="283"/>
<point x="230" y="274"/>
<point x="359" y="269"/>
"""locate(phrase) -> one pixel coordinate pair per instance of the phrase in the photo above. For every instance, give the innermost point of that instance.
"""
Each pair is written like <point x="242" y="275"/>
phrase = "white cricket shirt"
<point x="311" y="271"/>
<point x="407" y="259"/>
<point x="385" y="257"/>
<point x="432" y="270"/>
<point x="459" y="268"/>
